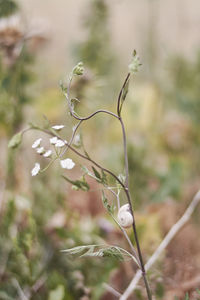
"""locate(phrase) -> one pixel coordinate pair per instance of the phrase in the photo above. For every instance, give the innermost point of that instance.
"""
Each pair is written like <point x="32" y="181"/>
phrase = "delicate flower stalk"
<point x="125" y="213"/>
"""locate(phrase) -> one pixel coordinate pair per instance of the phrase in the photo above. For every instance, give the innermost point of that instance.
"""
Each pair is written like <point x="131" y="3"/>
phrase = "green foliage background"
<point x="156" y="115"/>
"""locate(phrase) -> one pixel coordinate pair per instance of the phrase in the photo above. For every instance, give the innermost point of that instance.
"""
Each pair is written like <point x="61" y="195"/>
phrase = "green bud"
<point x="78" y="69"/>
<point x="135" y="63"/>
<point x="15" y="140"/>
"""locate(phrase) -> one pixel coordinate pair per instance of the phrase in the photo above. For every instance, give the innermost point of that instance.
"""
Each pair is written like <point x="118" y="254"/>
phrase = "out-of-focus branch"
<point x="170" y="235"/>
<point x="111" y="290"/>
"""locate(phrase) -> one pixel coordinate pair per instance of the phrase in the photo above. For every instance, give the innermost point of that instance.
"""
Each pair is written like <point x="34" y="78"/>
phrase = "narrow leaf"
<point x="78" y="184"/>
<point x="15" y="140"/>
<point x="97" y="174"/>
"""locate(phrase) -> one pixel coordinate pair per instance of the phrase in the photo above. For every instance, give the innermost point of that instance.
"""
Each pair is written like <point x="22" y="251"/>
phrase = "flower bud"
<point x="78" y="69"/>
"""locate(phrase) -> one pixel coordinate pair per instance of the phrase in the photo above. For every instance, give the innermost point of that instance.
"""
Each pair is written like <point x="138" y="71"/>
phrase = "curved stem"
<point x="67" y="95"/>
<point x="128" y="193"/>
<point x="125" y="154"/>
<point x="71" y="140"/>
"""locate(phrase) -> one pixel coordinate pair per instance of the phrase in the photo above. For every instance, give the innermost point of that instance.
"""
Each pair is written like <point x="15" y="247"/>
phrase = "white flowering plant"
<point x="58" y="149"/>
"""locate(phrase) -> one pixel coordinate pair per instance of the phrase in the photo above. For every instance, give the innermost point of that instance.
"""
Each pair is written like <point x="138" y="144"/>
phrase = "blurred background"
<point x="40" y="42"/>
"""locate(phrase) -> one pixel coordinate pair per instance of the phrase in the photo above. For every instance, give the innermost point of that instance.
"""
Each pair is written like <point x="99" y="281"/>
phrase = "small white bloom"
<point x="58" y="127"/>
<point x="36" y="143"/>
<point x="40" y="150"/>
<point x="47" y="153"/>
<point x="67" y="163"/>
<point x="36" y="169"/>
<point x="53" y="140"/>
<point x="60" y="143"/>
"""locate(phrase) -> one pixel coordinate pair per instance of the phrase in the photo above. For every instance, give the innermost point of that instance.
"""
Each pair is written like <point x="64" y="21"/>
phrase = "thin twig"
<point x="128" y="192"/>
<point x="111" y="290"/>
<point x="67" y="96"/>
<point x="72" y="137"/>
<point x="170" y="235"/>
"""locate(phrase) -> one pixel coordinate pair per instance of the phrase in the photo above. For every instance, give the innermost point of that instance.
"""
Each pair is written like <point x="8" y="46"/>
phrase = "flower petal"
<point x="40" y="150"/>
<point x="67" y="163"/>
<point x="36" y="143"/>
<point x="53" y="140"/>
<point x="47" y="153"/>
<point x="60" y="143"/>
<point x="36" y="169"/>
<point x="58" y="127"/>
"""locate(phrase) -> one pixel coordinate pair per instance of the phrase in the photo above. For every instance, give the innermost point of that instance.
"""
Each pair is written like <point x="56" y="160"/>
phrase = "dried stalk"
<point x="170" y="235"/>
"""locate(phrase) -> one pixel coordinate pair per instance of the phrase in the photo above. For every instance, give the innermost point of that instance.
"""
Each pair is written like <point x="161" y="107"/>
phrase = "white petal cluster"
<point x="36" y="169"/>
<point x="60" y="143"/>
<point x="58" y="127"/>
<point x="40" y="150"/>
<point x="47" y="153"/>
<point x="67" y="163"/>
<point x="37" y="143"/>
<point x="53" y="140"/>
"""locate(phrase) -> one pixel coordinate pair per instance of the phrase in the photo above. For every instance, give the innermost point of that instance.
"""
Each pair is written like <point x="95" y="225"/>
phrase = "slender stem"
<point x="125" y="155"/>
<point x="125" y="185"/>
<point x="49" y="164"/>
<point x="128" y="193"/>
<point x="93" y="114"/>
<point x="123" y="230"/>
<point x="111" y="290"/>
<point x="83" y="156"/>
<point x="71" y="140"/>
<point x="67" y="95"/>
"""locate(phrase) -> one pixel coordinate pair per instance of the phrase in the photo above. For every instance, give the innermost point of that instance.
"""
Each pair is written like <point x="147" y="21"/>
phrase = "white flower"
<point x="47" y="153"/>
<point x="40" y="150"/>
<point x="36" y="143"/>
<point x="67" y="163"/>
<point x="36" y="169"/>
<point x="53" y="140"/>
<point x="60" y="143"/>
<point x="58" y="127"/>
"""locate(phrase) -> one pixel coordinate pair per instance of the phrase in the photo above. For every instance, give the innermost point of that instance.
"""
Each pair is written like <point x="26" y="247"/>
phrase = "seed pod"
<point x="124" y="216"/>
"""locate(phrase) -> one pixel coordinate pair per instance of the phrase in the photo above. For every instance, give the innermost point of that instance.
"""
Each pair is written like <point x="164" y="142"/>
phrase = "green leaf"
<point x="85" y="169"/>
<point x="104" y="177"/>
<point x="109" y="208"/>
<point x="86" y="154"/>
<point x="104" y="200"/>
<point x="78" y="184"/>
<point x="15" y="140"/>
<point x="97" y="174"/>
<point x="58" y="293"/>
<point x="78" y="249"/>
<point x="102" y="251"/>
<point x="125" y="91"/>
